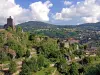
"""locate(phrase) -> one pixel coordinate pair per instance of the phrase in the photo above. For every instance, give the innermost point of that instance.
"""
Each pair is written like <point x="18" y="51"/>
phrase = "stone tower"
<point x="9" y="23"/>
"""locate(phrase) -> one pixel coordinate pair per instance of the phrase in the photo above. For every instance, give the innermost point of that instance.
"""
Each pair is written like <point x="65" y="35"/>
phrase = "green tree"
<point x="94" y="70"/>
<point x="48" y="48"/>
<point x="32" y="64"/>
<point x="27" y="53"/>
<point x="88" y="60"/>
<point x="4" y="57"/>
<point x="31" y="37"/>
<point x="46" y="63"/>
<point x="85" y="47"/>
<point x="18" y="29"/>
<point x="98" y="52"/>
<point x="40" y="61"/>
<point x="73" y="69"/>
<point x="62" y="66"/>
<point x="16" y="46"/>
<point x="12" y="67"/>
<point x="2" y="39"/>
<point x="25" y="70"/>
<point x="9" y="29"/>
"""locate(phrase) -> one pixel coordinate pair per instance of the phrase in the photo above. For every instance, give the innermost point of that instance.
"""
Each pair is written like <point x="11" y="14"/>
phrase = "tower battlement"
<point x="10" y="23"/>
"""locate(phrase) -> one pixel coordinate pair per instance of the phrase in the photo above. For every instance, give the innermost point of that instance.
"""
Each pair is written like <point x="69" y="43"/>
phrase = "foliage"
<point x="9" y="29"/>
<point x="15" y="46"/>
<point x="62" y="66"/>
<point x="40" y="61"/>
<point x="93" y="70"/>
<point x="18" y="29"/>
<point x="12" y="67"/>
<point x="49" y="48"/>
<point x="27" y="53"/>
<point x="35" y="64"/>
<point x="73" y="69"/>
<point x="32" y="64"/>
<point x="88" y="60"/>
<point x="25" y="70"/>
<point x="4" y="57"/>
<point x="48" y="51"/>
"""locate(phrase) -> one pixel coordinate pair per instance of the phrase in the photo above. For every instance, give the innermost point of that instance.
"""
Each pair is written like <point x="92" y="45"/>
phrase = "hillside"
<point x="58" y="31"/>
<point x="89" y="26"/>
<point x="29" y="26"/>
<point x="35" y="25"/>
<point x="41" y="25"/>
<point x="22" y="53"/>
<point x="17" y="47"/>
<point x="13" y="41"/>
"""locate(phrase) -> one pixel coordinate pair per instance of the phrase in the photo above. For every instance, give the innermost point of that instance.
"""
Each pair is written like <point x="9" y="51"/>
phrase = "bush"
<point x="25" y="70"/>
<point x="12" y="67"/>
<point x="94" y="70"/>
<point x="27" y="53"/>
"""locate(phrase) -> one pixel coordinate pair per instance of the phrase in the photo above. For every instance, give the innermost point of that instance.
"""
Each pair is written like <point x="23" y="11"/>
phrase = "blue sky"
<point x="57" y="7"/>
<point x="57" y="4"/>
<point x="63" y="12"/>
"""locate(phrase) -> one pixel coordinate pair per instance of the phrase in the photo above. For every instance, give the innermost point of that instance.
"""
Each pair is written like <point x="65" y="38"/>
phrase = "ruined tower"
<point x="9" y="23"/>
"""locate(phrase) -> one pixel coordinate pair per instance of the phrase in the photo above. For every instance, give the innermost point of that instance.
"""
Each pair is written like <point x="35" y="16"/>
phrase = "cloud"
<point x="87" y="11"/>
<point x="40" y="11"/>
<point x="37" y="11"/>
<point x="67" y="3"/>
<point x="90" y="19"/>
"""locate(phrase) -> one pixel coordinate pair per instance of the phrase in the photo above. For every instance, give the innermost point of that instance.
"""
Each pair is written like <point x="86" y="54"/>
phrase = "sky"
<point x="61" y="12"/>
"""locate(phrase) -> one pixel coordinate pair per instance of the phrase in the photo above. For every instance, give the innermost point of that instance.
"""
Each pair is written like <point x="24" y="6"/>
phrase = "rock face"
<point x="10" y="51"/>
<point x="9" y="23"/>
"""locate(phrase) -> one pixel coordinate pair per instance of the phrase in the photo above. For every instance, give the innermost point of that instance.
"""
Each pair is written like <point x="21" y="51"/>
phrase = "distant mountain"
<point x="35" y="25"/>
<point x="1" y="26"/>
<point x="29" y="26"/>
<point x="41" y="25"/>
<point x="89" y="26"/>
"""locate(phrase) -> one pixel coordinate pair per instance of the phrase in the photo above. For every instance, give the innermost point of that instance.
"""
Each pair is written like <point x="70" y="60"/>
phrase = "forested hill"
<point x="41" y="25"/>
<point x="27" y="26"/>
<point x="36" y="25"/>
<point x="90" y="26"/>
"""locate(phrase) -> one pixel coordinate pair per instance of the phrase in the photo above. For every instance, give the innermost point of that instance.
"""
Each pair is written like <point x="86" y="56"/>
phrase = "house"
<point x="72" y="40"/>
<point x="91" y="51"/>
<point x="63" y="43"/>
<point x="66" y="43"/>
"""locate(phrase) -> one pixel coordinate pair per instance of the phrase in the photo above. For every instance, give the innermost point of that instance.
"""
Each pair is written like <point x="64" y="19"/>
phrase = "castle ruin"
<point x="9" y="23"/>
